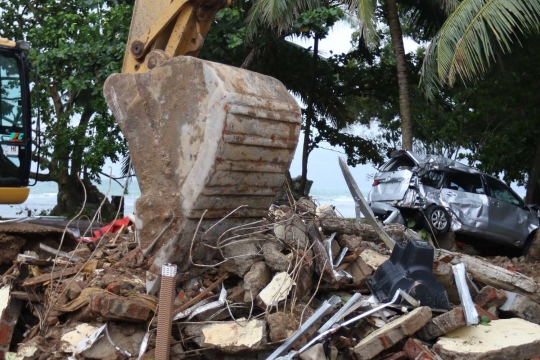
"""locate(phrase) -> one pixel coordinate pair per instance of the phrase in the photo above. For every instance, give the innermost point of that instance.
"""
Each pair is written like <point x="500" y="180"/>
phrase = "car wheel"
<point x="526" y="249"/>
<point x="437" y="219"/>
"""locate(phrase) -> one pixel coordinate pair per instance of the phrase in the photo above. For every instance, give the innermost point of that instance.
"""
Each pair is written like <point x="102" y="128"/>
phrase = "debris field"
<point x="291" y="286"/>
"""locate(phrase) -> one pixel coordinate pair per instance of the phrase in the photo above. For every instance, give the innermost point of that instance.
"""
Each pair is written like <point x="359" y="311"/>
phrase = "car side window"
<point x="501" y="191"/>
<point x="461" y="181"/>
<point x="432" y="178"/>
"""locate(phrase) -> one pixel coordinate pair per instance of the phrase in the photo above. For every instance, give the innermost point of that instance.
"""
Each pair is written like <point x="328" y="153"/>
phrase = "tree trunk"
<point x="403" y="82"/>
<point x="309" y="115"/>
<point x="533" y="190"/>
<point x="71" y="198"/>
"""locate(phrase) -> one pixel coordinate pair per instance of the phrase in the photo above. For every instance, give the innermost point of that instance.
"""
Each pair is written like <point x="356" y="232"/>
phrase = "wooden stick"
<point x="52" y="276"/>
<point x="201" y="296"/>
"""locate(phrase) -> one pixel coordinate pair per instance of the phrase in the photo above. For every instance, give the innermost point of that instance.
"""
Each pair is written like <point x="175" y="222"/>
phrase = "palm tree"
<point x="367" y="15"/>
<point x="471" y="37"/>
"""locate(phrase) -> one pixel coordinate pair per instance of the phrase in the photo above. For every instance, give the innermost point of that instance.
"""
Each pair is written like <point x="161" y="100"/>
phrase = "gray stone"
<point x="241" y="256"/>
<point x="277" y="261"/>
<point x="255" y="280"/>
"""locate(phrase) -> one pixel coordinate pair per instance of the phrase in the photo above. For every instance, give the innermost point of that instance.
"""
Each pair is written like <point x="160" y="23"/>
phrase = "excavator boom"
<point x="168" y="29"/>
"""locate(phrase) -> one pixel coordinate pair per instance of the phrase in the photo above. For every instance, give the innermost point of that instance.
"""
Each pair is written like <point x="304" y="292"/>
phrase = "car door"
<point x="464" y="194"/>
<point x="508" y="215"/>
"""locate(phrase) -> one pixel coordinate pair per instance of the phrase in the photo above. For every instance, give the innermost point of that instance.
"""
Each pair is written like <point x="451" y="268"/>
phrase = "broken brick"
<point x="443" y="324"/>
<point x="390" y="334"/>
<point x="490" y="297"/>
<point x="113" y="307"/>
<point x="416" y="350"/>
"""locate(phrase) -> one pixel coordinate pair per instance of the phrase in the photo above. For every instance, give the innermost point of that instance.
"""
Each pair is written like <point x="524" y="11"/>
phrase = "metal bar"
<point x="362" y="206"/>
<point x="341" y="313"/>
<point x="323" y="310"/>
<point x="350" y="321"/>
<point x="471" y="315"/>
<point x="60" y="253"/>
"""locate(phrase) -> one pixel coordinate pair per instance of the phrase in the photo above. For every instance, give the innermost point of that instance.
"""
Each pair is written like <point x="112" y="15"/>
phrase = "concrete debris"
<point x="325" y="211"/>
<point x="522" y="307"/>
<point x="255" y="280"/>
<point x="514" y="339"/>
<point x="373" y="258"/>
<point x="316" y="352"/>
<point x="230" y="336"/>
<point x="277" y="290"/>
<point x="253" y="295"/>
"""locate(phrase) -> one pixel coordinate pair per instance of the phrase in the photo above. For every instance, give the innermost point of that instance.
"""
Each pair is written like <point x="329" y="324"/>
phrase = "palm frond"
<point x="429" y="80"/>
<point x="468" y="38"/>
<point x="277" y="14"/>
<point x="366" y="15"/>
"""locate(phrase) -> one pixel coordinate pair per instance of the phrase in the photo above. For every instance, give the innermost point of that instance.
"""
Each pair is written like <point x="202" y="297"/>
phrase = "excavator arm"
<point x="161" y="29"/>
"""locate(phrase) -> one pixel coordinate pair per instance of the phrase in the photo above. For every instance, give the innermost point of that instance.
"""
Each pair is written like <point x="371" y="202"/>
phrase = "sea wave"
<point x="43" y="198"/>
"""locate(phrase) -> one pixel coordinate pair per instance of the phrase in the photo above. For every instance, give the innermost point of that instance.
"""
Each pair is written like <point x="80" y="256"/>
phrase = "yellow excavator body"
<point x="15" y="123"/>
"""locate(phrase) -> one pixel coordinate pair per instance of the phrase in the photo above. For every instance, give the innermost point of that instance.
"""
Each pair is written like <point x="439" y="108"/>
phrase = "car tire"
<point x="526" y="249"/>
<point x="437" y="219"/>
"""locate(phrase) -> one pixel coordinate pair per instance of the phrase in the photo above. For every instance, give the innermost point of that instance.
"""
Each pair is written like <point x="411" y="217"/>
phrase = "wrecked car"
<point x="443" y="194"/>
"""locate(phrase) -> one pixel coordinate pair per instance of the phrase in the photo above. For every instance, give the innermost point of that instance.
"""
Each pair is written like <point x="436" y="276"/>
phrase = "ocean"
<point x="43" y="198"/>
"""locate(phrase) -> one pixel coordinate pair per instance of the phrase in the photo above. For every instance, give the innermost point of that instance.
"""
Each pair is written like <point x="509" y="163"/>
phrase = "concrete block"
<point x="442" y="324"/>
<point x="281" y="326"/>
<point x="274" y="258"/>
<point x="390" y="334"/>
<point x="512" y="339"/>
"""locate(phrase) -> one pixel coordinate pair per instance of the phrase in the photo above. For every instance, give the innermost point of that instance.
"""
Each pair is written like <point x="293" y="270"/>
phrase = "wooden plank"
<point x="493" y="275"/>
<point x="52" y="276"/>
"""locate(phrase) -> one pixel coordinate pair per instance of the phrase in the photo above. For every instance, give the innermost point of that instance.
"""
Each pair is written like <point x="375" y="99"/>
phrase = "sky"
<point x="323" y="166"/>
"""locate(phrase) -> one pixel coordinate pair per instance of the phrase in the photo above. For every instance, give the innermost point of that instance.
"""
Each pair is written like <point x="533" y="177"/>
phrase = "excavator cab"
<point x="15" y="123"/>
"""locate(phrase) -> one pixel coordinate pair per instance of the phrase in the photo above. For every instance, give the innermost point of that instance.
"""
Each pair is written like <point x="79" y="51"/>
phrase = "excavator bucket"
<point x="205" y="139"/>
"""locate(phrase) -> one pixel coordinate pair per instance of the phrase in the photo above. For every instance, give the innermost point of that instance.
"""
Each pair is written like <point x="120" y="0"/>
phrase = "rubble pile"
<point x="292" y="286"/>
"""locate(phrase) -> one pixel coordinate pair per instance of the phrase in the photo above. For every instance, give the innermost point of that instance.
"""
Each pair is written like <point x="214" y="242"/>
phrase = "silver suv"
<point x="443" y="194"/>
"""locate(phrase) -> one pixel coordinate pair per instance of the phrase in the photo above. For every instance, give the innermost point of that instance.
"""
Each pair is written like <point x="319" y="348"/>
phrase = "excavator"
<point x="210" y="143"/>
<point x="15" y="122"/>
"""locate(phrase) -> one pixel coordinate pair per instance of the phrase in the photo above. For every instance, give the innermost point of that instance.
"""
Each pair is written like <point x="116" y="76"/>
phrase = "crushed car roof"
<point x="436" y="162"/>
